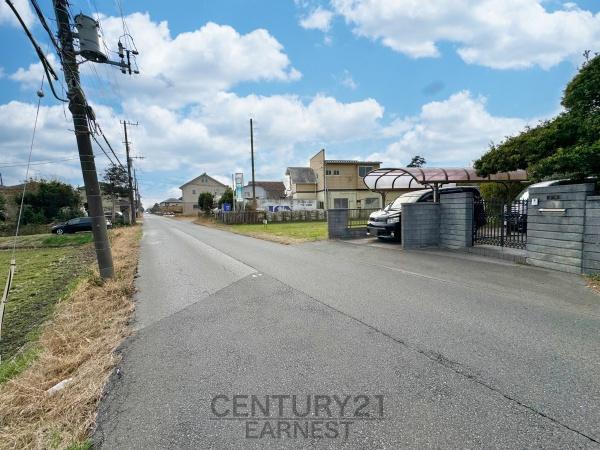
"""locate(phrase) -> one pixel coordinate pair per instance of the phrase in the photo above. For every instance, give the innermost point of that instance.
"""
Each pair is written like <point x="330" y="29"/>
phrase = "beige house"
<point x="193" y="188"/>
<point x="339" y="183"/>
<point x="300" y="183"/>
<point x="171" y="205"/>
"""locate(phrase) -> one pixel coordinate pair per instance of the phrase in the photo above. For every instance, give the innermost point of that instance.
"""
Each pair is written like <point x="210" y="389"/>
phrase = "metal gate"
<point x="499" y="223"/>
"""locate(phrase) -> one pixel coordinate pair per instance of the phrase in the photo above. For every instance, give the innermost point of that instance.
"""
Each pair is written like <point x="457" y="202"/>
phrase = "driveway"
<point x="461" y="351"/>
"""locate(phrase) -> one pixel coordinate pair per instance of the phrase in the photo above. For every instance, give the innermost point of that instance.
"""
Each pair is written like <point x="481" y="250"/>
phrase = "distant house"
<point x="174" y="205"/>
<point x="334" y="183"/>
<point x="193" y="188"/>
<point x="300" y="183"/>
<point x="265" y="190"/>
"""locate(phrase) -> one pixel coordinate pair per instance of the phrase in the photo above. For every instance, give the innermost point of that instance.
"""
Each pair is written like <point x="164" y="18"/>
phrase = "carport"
<point x="390" y="179"/>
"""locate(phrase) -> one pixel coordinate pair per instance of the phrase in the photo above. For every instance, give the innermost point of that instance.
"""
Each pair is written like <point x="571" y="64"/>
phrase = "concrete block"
<point x="567" y="260"/>
<point x="575" y="245"/>
<point x="558" y="251"/>
<point x="557" y="235"/>
<point x="553" y="266"/>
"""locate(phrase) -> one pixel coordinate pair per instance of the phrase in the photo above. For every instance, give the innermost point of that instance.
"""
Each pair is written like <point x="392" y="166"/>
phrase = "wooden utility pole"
<point x="80" y="112"/>
<point x="252" y="157"/>
<point x="132" y="206"/>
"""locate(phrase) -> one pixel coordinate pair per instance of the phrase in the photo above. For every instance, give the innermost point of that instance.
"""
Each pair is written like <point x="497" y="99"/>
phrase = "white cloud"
<point x="31" y="77"/>
<point x="8" y="17"/>
<point x="348" y="81"/>
<point x="449" y="133"/>
<point x="502" y="34"/>
<point x="318" y="19"/>
<point x="183" y="69"/>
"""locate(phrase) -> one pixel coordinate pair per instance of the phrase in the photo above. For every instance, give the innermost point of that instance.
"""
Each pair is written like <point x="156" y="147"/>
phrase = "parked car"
<point x="387" y="223"/>
<point x="119" y="218"/>
<point x="75" y="225"/>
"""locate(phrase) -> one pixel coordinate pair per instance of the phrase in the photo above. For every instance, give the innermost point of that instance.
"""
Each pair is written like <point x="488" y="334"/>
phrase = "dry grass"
<point x="593" y="282"/>
<point x="78" y="343"/>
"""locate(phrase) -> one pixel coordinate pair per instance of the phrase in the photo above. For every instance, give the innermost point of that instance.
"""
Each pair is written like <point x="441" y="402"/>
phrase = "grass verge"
<point x="43" y="276"/>
<point x="46" y="240"/>
<point x="281" y="232"/>
<point x="78" y="343"/>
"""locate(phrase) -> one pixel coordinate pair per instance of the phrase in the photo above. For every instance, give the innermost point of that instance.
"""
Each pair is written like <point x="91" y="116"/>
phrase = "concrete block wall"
<point x="420" y="225"/>
<point x="555" y="226"/>
<point x="337" y="220"/>
<point x="456" y="220"/>
<point x="591" y="236"/>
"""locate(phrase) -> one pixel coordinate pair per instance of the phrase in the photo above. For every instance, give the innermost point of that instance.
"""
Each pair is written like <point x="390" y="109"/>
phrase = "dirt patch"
<point x="594" y="283"/>
<point x="77" y="344"/>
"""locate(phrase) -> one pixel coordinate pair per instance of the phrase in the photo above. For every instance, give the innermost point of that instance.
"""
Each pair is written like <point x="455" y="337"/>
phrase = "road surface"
<point x="449" y="350"/>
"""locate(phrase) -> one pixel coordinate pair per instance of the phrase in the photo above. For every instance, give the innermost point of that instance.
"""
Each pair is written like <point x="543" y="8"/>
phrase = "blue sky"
<point x="377" y="79"/>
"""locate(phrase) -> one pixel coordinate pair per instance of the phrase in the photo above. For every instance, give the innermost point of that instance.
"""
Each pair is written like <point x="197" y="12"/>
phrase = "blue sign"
<point x="226" y="206"/>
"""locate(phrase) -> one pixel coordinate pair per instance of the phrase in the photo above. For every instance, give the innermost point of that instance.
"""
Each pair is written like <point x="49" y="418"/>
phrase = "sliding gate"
<point x="499" y="223"/>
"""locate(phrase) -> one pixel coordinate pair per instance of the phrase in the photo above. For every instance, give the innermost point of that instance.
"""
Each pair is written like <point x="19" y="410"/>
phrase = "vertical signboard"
<point x="239" y="187"/>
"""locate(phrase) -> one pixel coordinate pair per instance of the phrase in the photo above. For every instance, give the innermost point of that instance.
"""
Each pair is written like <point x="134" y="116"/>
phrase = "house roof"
<point x="350" y="161"/>
<point x="172" y="200"/>
<point x="301" y="175"/>
<point x="274" y="189"/>
<point x="200" y="176"/>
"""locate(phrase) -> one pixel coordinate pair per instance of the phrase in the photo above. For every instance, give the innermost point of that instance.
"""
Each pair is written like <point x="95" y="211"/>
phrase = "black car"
<point x="386" y="223"/>
<point x="75" y="225"/>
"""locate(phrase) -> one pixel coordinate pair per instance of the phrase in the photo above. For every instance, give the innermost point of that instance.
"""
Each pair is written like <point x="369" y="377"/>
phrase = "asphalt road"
<point x="466" y="352"/>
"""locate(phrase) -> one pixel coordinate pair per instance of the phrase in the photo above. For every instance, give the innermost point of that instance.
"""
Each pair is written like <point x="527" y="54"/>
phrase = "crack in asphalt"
<point x="432" y="355"/>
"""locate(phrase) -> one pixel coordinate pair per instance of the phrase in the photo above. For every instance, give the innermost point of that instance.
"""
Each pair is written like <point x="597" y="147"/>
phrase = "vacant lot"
<point x="282" y="232"/>
<point x="285" y="231"/>
<point x="75" y="344"/>
<point x="47" y="267"/>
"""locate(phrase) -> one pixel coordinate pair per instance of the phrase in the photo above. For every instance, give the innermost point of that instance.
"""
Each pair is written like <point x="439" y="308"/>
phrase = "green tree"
<point x="227" y="197"/>
<point x="115" y="182"/>
<point x="567" y="146"/>
<point x="417" y="161"/>
<point x="2" y="208"/>
<point x="50" y="201"/>
<point x="206" y="201"/>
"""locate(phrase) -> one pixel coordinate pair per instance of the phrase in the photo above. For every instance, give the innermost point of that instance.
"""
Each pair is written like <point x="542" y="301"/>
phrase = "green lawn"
<point x="46" y="240"/>
<point x="295" y="231"/>
<point x="43" y="275"/>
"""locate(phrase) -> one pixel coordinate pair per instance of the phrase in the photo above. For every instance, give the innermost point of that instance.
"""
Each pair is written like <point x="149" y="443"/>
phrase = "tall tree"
<point x="417" y="161"/>
<point x="115" y="184"/>
<point x="227" y="197"/>
<point x="206" y="201"/>
<point x="567" y="146"/>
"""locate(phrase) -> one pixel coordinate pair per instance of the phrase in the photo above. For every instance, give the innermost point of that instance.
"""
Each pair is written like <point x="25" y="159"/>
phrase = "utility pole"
<point x="252" y="157"/>
<point x="80" y="112"/>
<point x="131" y="201"/>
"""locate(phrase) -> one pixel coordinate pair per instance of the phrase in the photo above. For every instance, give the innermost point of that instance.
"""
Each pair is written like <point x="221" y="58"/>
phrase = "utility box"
<point x="89" y="39"/>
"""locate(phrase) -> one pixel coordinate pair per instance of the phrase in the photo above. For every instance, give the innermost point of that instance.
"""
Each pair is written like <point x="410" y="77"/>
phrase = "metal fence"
<point x="499" y="223"/>
<point x="358" y="218"/>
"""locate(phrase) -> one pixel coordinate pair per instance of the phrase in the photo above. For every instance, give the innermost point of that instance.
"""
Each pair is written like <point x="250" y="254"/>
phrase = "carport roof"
<point x="414" y="177"/>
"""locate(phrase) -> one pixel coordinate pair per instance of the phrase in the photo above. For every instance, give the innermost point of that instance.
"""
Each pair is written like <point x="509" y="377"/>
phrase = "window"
<point x="371" y="203"/>
<point x="340" y="203"/>
<point x="364" y="170"/>
<point x="193" y="191"/>
<point x="328" y="172"/>
<point x="336" y="172"/>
